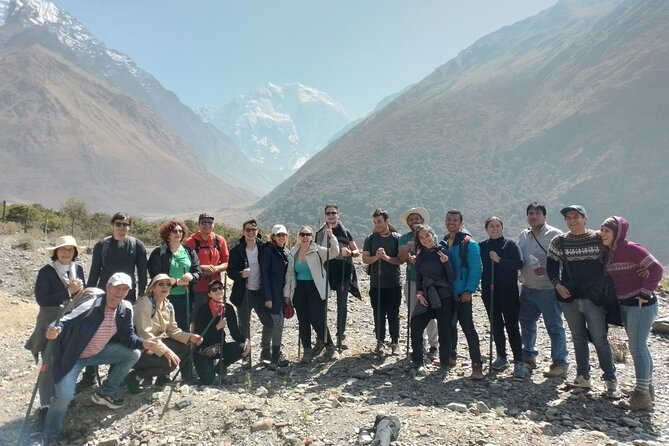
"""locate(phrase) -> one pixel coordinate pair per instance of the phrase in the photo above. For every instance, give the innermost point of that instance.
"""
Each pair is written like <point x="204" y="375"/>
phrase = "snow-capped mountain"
<point x="24" y="22"/>
<point x="279" y="127"/>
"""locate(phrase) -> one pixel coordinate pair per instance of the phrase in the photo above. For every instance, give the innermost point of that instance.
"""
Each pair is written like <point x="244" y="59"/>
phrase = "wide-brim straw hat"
<point x="66" y="240"/>
<point x="420" y="211"/>
<point x="159" y="277"/>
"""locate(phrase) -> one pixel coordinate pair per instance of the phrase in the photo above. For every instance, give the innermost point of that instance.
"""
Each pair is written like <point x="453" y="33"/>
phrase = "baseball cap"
<point x="120" y="279"/>
<point x="574" y="207"/>
<point x="205" y="216"/>
<point x="279" y="229"/>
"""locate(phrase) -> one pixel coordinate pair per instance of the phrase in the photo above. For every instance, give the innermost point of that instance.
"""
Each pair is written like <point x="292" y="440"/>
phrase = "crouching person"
<point x="215" y="354"/>
<point x="98" y="331"/>
<point x="154" y="319"/>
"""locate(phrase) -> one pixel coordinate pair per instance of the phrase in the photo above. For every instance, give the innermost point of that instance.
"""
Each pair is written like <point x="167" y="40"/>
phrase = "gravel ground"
<point x="333" y="403"/>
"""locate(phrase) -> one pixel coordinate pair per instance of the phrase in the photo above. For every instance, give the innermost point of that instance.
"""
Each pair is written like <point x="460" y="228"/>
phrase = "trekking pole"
<point x="378" y="306"/>
<point x="220" y="356"/>
<point x="248" y="312"/>
<point x="327" y="286"/>
<point x="189" y="357"/>
<point x="492" y="309"/>
<point x="410" y="293"/>
<point x="44" y="368"/>
<point x="345" y="293"/>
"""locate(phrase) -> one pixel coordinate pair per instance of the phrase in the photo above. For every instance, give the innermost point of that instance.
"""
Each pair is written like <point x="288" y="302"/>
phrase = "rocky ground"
<point x="333" y="403"/>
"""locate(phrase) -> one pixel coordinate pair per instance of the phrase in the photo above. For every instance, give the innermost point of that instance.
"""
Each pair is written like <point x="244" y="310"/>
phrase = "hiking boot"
<point x="394" y="348"/>
<point x="531" y="361"/>
<point x="432" y="354"/>
<point x="163" y="380"/>
<point x="278" y="360"/>
<point x="555" y="371"/>
<point x="86" y="382"/>
<point x="307" y="357"/>
<point x="132" y="383"/>
<point x="500" y="364"/>
<point x="477" y="371"/>
<point x="330" y="353"/>
<point x="612" y="390"/>
<point x="265" y="355"/>
<point x="107" y="400"/>
<point x="639" y="401"/>
<point x="452" y="361"/>
<point x="318" y="348"/>
<point x="519" y="371"/>
<point x="379" y="348"/>
<point x="582" y="382"/>
<point x="340" y="343"/>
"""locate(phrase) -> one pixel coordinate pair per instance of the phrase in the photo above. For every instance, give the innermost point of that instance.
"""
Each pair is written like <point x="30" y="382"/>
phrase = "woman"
<point x="59" y="283"/>
<point x="305" y="290"/>
<point x="210" y="321"/>
<point x="153" y="316"/>
<point x="273" y="266"/>
<point x="179" y="262"/>
<point x="505" y="257"/>
<point x="434" y="292"/>
<point x="635" y="274"/>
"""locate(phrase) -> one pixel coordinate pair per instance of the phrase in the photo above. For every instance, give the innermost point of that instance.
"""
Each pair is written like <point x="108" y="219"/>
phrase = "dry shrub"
<point x="618" y="341"/>
<point x="26" y="242"/>
<point x="10" y="228"/>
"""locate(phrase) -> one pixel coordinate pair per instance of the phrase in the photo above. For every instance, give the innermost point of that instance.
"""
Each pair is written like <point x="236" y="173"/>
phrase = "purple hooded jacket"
<point x="623" y="260"/>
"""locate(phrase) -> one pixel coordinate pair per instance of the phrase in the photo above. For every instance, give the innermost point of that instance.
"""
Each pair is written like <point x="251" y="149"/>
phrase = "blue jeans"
<point x="536" y="303"/>
<point x="122" y="357"/>
<point x="637" y="322"/>
<point x="587" y="322"/>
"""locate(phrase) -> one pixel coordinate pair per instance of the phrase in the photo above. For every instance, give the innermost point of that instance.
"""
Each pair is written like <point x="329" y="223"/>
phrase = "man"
<point x="380" y="252"/>
<point x="341" y="272"/>
<point x="118" y="252"/>
<point x="98" y="331"/>
<point x="466" y="258"/>
<point x="407" y="254"/>
<point x="212" y="250"/>
<point x="537" y="297"/>
<point x="244" y="270"/>
<point x="573" y="259"/>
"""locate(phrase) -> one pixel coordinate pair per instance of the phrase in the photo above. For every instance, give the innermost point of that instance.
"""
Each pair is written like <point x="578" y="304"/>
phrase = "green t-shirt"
<point x="302" y="271"/>
<point x="179" y="265"/>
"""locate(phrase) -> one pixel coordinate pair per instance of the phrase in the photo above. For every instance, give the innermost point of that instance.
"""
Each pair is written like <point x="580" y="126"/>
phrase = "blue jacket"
<point x="466" y="279"/>
<point x="273" y="266"/>
<point x="49" y="289"/>
<point x="80" y="324"/>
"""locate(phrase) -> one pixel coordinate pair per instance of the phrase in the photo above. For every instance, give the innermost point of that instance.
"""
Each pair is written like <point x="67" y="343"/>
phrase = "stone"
<point x="262" y="425"/>
<point x="183" y="403"/>
<point x="457" y="407"/>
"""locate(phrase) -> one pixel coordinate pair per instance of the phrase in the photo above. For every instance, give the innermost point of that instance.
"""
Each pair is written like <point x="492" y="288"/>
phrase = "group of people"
<point x="179" y="319"/>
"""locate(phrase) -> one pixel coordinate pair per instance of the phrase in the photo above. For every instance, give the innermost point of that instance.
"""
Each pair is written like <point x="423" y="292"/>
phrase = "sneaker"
<point x="433" y="353"/>
<point x="307" y="357"/>
<point x="340" y="343"/>
<point x="555" y="371"/>
<point x="163" y="380"/>
<point x="417" y="370"/>
<point x="107" y="400"/>
<point x="531" y="361"/>
<point x="147" y="382"/>
<point x="477" y="371"/>
<point x="86" y="382"/>
<point x="394" y="348"/>
<point x="612" y="390"/>
<point x="500" y="364"/>
<point x="317" y="348"/>
<point x="581" y="381"/>
<point x="265" y="355"/>
<point x="379" y="348"/>
<point x="519" y="370"/>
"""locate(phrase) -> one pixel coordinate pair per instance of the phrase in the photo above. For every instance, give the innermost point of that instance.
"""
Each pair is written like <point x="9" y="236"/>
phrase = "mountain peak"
<point x="31" y="12"/>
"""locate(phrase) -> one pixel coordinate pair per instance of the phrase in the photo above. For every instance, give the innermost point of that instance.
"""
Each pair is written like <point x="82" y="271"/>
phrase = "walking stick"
<point x="409" y="268"/>
<point x="189" y="357"/>
<point x="492" y="309"/>
<point x="345" y="293"/>
<point x="327" y="287"/>
<point x="378" y="306"/>
<point x="44" y="368"/>
<point x="220" y="356"/>
<point x="248" y="312"/>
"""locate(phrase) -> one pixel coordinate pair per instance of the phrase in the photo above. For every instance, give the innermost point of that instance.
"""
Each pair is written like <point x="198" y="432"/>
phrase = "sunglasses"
<point x="305" y="234"/>
<point x="119" y="224"/>
<point x="331" y="213"/>
<point x="280" y="235"/>
<point x="177" y="231"/>
<point x="215" y="289"/>
<point x="207" y="222"/>
<point x="167" y="284"/>
<point x="250" y="229"/>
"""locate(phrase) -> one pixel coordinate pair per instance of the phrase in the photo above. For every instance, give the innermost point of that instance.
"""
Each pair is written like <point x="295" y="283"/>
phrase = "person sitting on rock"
<point x="215" y="354"/>
<point x="154" y="319"/>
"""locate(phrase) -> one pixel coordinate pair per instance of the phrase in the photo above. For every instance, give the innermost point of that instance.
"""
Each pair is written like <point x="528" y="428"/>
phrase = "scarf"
<point x="217" y="308"/>
<point x="66" y="273"/>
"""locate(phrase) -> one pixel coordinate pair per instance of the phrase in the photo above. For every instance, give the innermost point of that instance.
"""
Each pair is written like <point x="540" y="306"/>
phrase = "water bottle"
<point x="536" y="264"/>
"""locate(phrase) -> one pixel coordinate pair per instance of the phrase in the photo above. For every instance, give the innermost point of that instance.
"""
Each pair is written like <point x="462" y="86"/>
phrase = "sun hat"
<point x="66" y="240"/>
<point x="425" y="215"/>
<point x="161" y="276"/>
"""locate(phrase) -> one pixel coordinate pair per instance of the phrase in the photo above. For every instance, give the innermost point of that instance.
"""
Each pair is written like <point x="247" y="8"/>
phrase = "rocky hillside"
<point x="567" y="106"/>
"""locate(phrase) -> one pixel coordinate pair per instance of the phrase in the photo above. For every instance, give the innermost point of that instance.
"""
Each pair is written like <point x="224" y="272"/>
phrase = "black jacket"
<point x="273" y="265"/>
<point x="236" y="264"/>
<point x="159" y="262"/>
<point x="506" y="271"/>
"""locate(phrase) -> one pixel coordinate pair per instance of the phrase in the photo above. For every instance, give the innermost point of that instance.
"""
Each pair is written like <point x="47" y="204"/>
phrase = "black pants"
<point x="506" y="310"/>
<point x="206" y="366"/>
<point x="464" y="314"/>
<point x="386" y="305"/>
<point x="444" y="317"/>
<point x="153" y="365"/>
<point x="310" y="310"/>
<point x="256" y="301"/>
<point x="183" y="307"/>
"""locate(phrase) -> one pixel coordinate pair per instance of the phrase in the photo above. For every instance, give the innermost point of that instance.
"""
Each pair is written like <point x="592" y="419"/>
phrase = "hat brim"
<point x="564" y="211"/>
<point x="159" y="277"/>
<point x="425" y="215"/>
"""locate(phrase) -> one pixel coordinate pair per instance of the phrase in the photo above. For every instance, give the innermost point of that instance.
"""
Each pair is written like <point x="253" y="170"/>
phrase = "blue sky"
<point x="209" y="51"/>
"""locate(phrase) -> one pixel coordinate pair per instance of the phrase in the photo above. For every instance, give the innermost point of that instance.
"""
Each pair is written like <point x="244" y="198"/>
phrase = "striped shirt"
<point x="101" y="337"/>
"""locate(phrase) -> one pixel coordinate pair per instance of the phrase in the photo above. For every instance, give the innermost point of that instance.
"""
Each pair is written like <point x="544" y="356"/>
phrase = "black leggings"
<point x="444" y="316"/>
<point x="206" y="366"/>
<point x="310" y="310"/>
<point x="152" y="365"/>
<point x="506" y="309"/>
<point x="386" y="305"/>
<point x="463" y="313"/>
